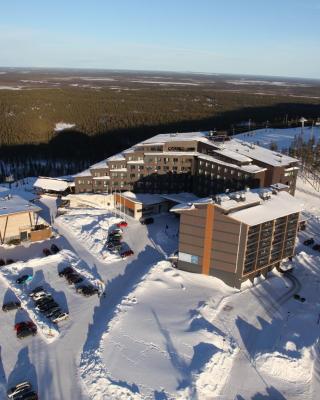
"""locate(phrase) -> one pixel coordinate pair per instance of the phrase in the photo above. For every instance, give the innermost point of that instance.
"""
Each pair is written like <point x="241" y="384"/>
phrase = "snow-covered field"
<point x="282" y="137"/>
<point x="157" y="332"/>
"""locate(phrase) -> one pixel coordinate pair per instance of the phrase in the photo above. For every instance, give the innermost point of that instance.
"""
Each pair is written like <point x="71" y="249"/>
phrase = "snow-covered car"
<point x="116" y="230"/>
<point x="36" y="290"/>
<point x="20" y="387"/>
<point x="12" y="305"/>
<point x="47" y="306"/>
<point x="54" y="249"/>
<point x="40" y="295"/>
<point x="57" y="317"/>
<point x="24" y="279"/>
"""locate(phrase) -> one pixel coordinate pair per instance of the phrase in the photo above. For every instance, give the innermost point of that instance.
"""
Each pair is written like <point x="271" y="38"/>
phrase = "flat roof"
<point x="179" y="198"/>
<point x="15" y="204"/>
<point x="277" y="206"/>
<point x="233" y="155"/>
<point x="143" y="198"/>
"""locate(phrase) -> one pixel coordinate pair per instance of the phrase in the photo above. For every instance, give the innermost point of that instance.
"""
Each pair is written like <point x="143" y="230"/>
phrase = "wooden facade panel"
<point x="191" y="239"/>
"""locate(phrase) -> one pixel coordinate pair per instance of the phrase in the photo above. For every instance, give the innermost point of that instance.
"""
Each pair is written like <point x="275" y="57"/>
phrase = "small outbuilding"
<point x="54" y="186"/>
<point x="19" y="221"/>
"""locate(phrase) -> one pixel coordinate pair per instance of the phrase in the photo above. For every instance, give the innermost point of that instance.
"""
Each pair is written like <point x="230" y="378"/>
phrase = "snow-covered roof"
<point x="259" y="153"/>
<point x="54" y="184"/>
<point x="85" y="173"/>
<point x="233" y="155"/>
<point x="251" y="168"/>
<point x="277" y="206"/>
<point x="143" y="198"/>
<point x="173" y="137"/>
<point x="180" y="197"/>
<point x="16" y="204"/>
<point x="3" y="190"/>
<point x="116" y="157"/>
<point x="99" y="165"/>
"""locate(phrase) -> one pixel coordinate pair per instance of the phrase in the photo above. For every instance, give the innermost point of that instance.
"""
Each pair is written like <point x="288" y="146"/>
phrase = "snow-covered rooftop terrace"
<point x="15" y="204"/>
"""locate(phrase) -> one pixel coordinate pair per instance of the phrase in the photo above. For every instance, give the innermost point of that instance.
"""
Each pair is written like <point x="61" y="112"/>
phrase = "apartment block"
<point x="189" y="162"/>
<point x="238" y="236"/>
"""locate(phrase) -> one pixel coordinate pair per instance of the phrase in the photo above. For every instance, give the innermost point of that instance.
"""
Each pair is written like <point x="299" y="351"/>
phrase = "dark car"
<point x="54" y="248"/>
<point x="2" y="262"/>
<point x="308" y="242"/>
<point x="44" y="300"/>
<point x="87" y="290"/>
<point x="10" y="261"/>
<point x="13" y="305"/>
<point x="24" y="279"/>
<point x="146" y="221"/>
<point x="47" y="306"/>
<point x="46" y="252"/>
<point x="316" y="247"/>
<point x="52" y="311"/>
<point x="27" y="395"/>
<point x="26" y="329"/>
<point x="36" y="290"/>
<point x="23" y="324"/>
<point x="74" y="278"/>
<point x="126" y="253"/>
<point x="66" y="271"/>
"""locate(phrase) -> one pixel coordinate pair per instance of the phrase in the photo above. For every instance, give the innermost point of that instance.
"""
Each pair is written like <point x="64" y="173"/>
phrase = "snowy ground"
<point x="282" y="137"/>
<point x="159" y="333"/>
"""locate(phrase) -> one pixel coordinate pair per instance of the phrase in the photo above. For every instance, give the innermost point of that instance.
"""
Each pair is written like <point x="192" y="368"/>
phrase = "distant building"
<point x="189" y="162"/>
<point x="19" y="221"/>
<point x="56" y="186"/>
<point x="237" y="236"/>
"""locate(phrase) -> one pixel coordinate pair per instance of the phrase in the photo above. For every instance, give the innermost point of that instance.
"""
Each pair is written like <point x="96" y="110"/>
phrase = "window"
<point x="190" y="258"/>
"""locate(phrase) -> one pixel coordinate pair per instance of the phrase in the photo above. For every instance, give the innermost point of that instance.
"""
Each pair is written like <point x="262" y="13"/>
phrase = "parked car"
<point x="2" y="262"/>
<point x="116" y="230"/>
<point x="24" y="279"/>
<point x="59" y="317"/>
<point x="308" y="242"/>
<point x="67" y="270"/>
<point x="36" y="290"/>
<point x="115" y="235"/>
<point x="39" y="295"/>
<point x="146" y="220"/>
<point x="25" y="332"/>
<point x="44" y="300"/>
<point x="74" y="278"/>
<point x="87" y="290"/>
<point x="122" y="224"/>
<point x="49" y="313"/>
<point x="54" y="249"/>
<point x="126" y="253"/>
<point x="10" y="261"/>
<point x="46" y="252"/>
<point x="12" y="305"/>
<point x="23" y="324"/>
<point x="316" y="247"/>
<point x="20" y="387"/>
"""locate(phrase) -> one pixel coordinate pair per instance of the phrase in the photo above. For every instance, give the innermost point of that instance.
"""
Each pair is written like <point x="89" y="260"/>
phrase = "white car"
<point x="60" y="317"/>
<point x="20" y="387"/>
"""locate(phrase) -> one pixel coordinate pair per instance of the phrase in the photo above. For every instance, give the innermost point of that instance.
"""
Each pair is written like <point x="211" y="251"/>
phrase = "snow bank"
<point x="290" y="369"/>
<point x="91" y="228"/>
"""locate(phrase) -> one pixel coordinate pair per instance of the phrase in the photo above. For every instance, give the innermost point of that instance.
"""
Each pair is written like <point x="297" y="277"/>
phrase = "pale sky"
<point x="261" y="37"/>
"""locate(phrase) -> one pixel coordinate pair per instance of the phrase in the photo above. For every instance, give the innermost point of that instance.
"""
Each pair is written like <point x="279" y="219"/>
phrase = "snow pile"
<point x="60" y="126"/>
<point x="91" y="228"/>
<point x="174" y="354"/>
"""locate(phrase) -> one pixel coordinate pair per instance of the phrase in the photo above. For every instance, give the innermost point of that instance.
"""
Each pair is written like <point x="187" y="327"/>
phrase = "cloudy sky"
<point x="262" y="37"/>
